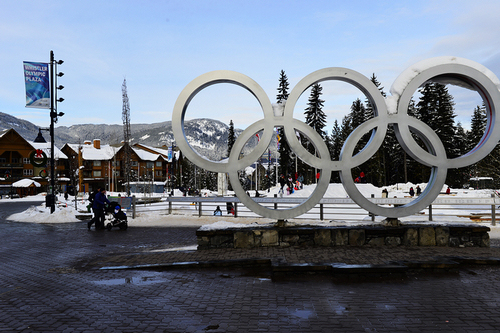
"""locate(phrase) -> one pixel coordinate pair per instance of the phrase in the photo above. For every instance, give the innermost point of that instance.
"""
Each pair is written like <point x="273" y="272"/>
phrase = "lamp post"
<point x="53" y="119"/>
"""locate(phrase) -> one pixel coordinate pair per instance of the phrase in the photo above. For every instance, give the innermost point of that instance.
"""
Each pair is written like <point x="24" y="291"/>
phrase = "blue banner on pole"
<point x="36" y="78"/>
<point x="169" y="154"/>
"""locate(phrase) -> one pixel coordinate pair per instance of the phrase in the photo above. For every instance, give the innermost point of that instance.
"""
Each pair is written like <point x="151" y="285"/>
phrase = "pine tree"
<point x="315" y="118"/>
<point x="285" y="160"/>
<point x="335" y="148"/>
<point x="435" y="108"/>
<point x="369" y="107"/>
<point x="477" y="126"/>
<point x="282" y="88"/>
<point x="231" y="137"/>
<point x="375" y="167"/>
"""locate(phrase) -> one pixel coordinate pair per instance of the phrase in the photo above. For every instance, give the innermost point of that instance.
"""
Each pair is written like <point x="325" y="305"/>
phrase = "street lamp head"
<point x="60" y="62"/>
<point x="60" y="114"/>
<point x="61" y="87"/>
<point x="60" y="74"/>
<point x="60" y="99"/>
<point x="39" y="137"/>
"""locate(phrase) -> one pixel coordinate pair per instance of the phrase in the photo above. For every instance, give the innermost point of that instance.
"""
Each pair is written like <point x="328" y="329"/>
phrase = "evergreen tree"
<point x="369" y="107"/>
<point x="282" y="88"/>
<point x="335" y="148"/>
<point x="487" y="167"/>
<point x="460" y="145"/>
<point x="231" y="137"/>
<point x="477" y="126"/>
<point x="286" y="161"/>
<point x="375" y="167"/>
<point x="315" y="118"/>
<point x="357" y="113"/>
<point x="435" y="108"/>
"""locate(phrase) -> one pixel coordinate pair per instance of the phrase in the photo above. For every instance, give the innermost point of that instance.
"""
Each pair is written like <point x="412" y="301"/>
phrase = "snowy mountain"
<point x="207" y="136"/>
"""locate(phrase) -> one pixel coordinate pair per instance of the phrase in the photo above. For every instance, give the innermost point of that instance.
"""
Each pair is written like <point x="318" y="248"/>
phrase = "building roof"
<point x="26" y="183"/>
<point x="145" y="155"/>
<point x="45" y="147"/>
<point x="90" y="153"/>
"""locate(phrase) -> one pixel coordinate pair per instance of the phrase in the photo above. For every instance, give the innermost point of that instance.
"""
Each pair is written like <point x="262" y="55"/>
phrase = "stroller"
<point x="115" y="217"/>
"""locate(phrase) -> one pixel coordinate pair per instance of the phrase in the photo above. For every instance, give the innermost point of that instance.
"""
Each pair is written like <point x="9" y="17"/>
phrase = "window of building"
<point x="97" y="173"/>
<point x="149" y="165"/>
<point x="158" y="163"/>
<point x="26" y="160"/>
<point x="134" y="163"/>
<point x="3" y="160"/>
<point x="15" y="160"/>
<point x="158" y="172"/>
<point x="97" y="163"/>
<point x="28" y="172"/>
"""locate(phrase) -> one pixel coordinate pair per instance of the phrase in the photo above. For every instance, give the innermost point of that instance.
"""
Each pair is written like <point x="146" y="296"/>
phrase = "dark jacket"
<point x="100" y="201"/>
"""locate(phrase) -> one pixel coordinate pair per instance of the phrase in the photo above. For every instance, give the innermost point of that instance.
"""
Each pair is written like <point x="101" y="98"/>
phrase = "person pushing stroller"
<point x="98" y="207"/>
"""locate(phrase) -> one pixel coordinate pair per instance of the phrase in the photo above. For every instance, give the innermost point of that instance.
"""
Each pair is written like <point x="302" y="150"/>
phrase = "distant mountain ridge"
<point x="207" y="136"/>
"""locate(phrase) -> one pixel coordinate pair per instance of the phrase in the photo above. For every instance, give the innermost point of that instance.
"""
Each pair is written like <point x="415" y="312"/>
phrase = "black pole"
<point x="52" y="116"/>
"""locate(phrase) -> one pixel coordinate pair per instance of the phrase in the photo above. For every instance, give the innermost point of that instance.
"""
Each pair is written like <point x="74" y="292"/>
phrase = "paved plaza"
<point x="52" y="280"/>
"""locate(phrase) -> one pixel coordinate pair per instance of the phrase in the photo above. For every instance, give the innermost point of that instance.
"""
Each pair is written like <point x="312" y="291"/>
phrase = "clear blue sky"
<point x="160" y="46"/>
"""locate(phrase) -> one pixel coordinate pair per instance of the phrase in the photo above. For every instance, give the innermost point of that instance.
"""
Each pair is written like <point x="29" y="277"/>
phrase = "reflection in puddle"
<point x="137" y="280"/>
<point x="304" y="314"/>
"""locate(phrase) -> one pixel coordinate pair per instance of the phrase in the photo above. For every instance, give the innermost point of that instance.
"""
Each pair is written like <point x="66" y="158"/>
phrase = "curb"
<point x="398" y="267"/>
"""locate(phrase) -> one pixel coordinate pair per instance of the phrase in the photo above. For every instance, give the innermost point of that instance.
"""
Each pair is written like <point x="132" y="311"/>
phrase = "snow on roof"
<point x="26" y="183"/>
<point x="145" y="155"/>
<point x="45" y="147"/>
<point x="90" y="153"/>
<point x="155" y="149"/>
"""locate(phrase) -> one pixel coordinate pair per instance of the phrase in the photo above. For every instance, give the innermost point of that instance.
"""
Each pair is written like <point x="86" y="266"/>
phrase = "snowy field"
<point x="65" y="210"/>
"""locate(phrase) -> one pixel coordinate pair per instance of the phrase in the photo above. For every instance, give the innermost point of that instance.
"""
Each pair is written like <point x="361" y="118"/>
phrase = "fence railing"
<point x="476" y="209"/>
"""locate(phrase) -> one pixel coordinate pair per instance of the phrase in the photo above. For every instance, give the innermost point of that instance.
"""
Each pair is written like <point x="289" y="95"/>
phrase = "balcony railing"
<point x="11" y="165"/>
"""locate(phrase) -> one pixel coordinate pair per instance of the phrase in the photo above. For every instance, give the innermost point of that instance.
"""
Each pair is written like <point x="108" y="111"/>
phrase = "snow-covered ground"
<point x="65" y="210"/>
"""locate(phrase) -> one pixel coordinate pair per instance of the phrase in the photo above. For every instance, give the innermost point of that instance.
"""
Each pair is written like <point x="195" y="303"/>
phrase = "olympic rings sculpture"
<point x="445" y="69"/>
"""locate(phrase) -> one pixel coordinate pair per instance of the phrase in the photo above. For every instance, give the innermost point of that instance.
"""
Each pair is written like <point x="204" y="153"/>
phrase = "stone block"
<point x="427" y="236"/>
<point x="244" y="239"/>
<point x="376" y="241"/>
<point x="454" y="242"/>
<point x="392" y="241"/>
<point x="442" y="236"/>
<point x="269" y="238"/>
<point x="203" y="242"/>
<point x="323" y="237"/>
<point x="221" y="241"/>
<point x="357" y="237"/>
<point x="289" y="240"/>
<point x="485" y="240"/>
<point x="410" y="237"/>
<point x="340" y="237"/>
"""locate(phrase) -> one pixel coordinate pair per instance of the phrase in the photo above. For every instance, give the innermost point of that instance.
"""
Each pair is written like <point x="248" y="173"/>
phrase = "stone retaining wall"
<point x="407" y="235"/>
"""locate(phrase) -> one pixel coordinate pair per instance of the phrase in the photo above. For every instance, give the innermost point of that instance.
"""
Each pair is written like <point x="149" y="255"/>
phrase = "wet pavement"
<point x="52" y="280"/>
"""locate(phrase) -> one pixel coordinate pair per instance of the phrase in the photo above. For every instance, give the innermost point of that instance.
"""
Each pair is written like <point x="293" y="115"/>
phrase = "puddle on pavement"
<point x="145" y="279"/>
<point x="303" y="314"/>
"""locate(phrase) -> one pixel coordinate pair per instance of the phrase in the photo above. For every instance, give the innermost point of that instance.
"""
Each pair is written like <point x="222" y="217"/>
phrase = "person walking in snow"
<point x="418" y="190"/>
